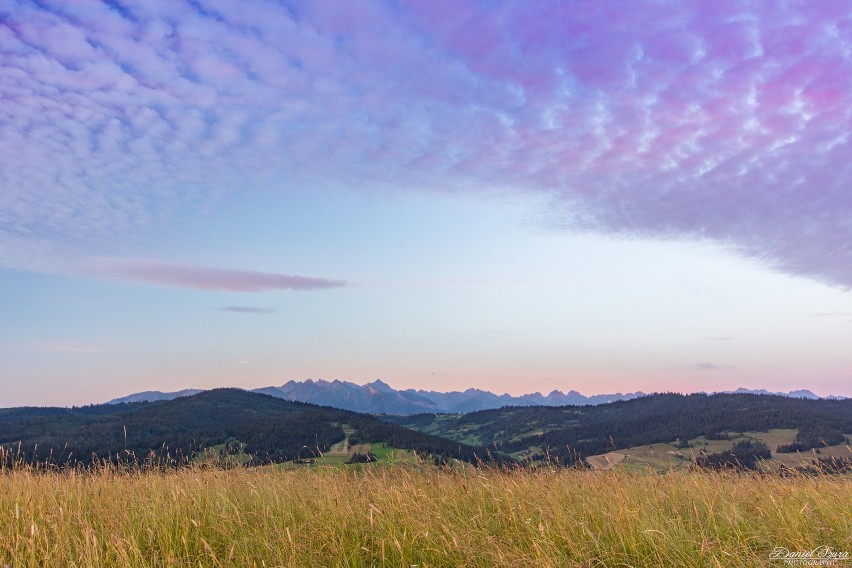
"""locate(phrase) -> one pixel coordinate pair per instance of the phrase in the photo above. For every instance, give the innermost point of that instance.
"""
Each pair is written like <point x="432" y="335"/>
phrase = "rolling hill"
<point x="267" y="429"/>
<point x="573" y="432"/>
<point x="263" y="428"/>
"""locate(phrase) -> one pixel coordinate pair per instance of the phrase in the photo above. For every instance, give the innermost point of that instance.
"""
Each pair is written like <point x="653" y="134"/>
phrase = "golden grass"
<point x="409" y="516"/>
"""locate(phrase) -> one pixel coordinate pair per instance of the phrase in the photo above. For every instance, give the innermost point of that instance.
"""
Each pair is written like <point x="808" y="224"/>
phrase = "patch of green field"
<point x="340" y="453"/>
<point x="444" y="425"/>
<point x="773" y="438"/>
<point x="656" y="457"/>
<point x="528" y="434"/>
<point x="390" y="455"/>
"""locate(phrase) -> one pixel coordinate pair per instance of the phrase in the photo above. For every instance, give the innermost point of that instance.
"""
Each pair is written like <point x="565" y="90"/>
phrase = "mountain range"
<point x="378" y="397"/>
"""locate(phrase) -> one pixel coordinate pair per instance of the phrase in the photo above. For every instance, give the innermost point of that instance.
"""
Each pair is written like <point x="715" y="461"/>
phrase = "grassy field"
<point x="337" y="455"/>
<point x="416" y="516"/>
<point x="340" y="453"/>
<point x="667" y="456"/>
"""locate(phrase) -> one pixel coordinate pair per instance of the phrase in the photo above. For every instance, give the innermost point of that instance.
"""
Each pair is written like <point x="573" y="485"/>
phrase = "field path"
<point x="605" y="461"/>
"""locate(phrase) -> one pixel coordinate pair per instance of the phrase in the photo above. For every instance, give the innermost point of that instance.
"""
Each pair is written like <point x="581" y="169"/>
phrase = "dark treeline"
<point x="745" y="454"/>
<point x="813" y="436"/>
<point x="369" y="457"/>
<point x="570" y="433"/>
<point x="268" y="429"/>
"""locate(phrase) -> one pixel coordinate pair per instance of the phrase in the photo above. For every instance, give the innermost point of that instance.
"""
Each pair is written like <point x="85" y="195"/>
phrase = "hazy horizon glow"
<point x="514" y="196"/>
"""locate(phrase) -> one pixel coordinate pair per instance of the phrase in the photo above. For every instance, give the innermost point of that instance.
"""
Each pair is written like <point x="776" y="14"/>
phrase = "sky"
<point x="513" y="196"/>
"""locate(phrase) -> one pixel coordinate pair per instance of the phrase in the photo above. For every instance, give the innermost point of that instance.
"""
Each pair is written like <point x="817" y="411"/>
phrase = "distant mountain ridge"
<point x="152" y="396"/>
<point x="378" y="397"/>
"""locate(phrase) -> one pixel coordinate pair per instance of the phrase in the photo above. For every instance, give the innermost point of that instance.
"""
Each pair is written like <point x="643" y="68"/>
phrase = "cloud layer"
<point x="718" y="120"/>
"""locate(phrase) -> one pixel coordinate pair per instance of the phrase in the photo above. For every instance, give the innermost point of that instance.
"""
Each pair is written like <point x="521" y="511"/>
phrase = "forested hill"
<point x="266" y="428"/>
<point x="570" y="431"/>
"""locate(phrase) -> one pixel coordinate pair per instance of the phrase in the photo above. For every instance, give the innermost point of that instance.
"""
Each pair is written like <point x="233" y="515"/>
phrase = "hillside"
<point x="261" y="428"/>
<point x="572" y="432"/>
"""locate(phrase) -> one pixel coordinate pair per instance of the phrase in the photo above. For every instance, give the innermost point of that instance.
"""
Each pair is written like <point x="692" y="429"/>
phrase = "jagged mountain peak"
<point x="380" y="386"/>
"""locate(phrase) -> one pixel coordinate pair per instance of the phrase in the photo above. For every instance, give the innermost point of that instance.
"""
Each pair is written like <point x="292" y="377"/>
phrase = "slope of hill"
<point x="266" y="428"/>
<point x="573" y="431"/>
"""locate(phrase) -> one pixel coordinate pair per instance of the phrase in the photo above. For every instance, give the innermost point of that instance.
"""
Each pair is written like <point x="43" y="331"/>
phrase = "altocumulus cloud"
<point x="715" y="120"/>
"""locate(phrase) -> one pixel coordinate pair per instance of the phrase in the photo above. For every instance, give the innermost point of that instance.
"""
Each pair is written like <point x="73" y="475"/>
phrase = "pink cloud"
<point x="205" y="278"/>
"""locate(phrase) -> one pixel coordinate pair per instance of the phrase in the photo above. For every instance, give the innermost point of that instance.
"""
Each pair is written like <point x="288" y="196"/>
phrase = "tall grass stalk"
<point x="410" y="516"/>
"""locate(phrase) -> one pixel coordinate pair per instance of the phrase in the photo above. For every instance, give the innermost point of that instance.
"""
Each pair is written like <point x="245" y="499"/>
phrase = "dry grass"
<point x="408" y="516"/>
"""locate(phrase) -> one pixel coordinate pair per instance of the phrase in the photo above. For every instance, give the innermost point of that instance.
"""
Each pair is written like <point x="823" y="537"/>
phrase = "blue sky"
<point x="509" y="196"/>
